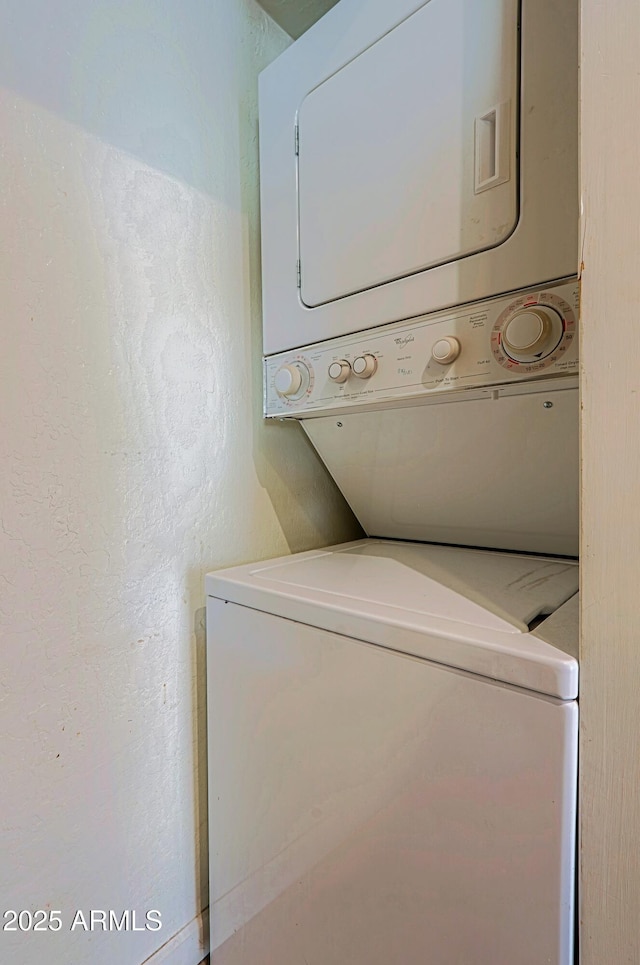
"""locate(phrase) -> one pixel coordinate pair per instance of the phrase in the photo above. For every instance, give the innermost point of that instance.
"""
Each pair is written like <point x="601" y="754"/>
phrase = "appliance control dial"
<point x="339" y="371"/>
<point x="292" y="380"/>
<point x="446" y="350"/>
<point x="365" y="366"/>
<point x="532" y="331"/>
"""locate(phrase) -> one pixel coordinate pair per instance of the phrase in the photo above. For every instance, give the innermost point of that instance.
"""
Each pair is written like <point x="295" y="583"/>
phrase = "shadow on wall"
<point x="147" y="78"/>
<point x="83" y="62"/>
<point x="296" y="16"/>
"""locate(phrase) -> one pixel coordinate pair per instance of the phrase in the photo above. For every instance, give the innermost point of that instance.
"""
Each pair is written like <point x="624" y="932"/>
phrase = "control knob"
<point x="365" y="366"/>
<point x="291" y="379"/>
<point x="446" y="350"/>
<point x="532" y="332"/>
<point x="339" y="371"/>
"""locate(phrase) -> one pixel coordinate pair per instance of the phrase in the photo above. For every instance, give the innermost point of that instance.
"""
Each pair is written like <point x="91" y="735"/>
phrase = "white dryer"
<point x="416" y="155"/>
<point x="393" y="757"/>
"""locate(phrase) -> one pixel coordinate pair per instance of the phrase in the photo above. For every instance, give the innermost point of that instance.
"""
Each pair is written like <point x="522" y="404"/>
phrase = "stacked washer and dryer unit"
<point x="393" y="722"/>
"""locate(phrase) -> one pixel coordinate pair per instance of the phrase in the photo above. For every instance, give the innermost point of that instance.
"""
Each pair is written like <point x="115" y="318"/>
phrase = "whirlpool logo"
<point x="403" y="340"/>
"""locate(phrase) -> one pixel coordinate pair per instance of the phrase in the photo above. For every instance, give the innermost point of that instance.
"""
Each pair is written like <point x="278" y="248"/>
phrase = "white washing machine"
<point x="393" y="757"/>
<point x="415" y="155"/>
<point x="393" y="724"/>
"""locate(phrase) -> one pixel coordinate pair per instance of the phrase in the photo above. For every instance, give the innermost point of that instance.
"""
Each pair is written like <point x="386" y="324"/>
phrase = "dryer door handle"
<point x="492" y="136"/>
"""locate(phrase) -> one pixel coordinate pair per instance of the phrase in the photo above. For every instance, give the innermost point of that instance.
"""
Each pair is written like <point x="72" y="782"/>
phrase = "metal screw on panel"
<point x="339" y="425"/>
<point x="548" y="405"/>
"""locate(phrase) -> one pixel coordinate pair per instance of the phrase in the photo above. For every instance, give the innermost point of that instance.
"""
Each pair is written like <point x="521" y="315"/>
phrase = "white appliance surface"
<point x="368" y="805"/>
<point x="392" y="725"/>
<point x="361" y="130"/>
<point x="416" y="155"/>
<point x="406" y="369"/>
<point x="465" y="608"/>
<point x="501" y="471"/>
<point x="497" y="465"/>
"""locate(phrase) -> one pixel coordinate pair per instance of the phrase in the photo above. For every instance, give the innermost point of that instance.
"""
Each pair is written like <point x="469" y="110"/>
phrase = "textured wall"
<point x="133" y="453"/>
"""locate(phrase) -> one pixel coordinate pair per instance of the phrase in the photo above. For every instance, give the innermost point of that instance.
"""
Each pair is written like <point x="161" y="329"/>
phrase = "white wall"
<point x="133" y="453"/>
<point x="610" y="658"/>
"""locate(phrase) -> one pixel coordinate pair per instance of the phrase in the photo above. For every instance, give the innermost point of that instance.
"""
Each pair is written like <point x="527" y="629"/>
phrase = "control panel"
<point x="512" y="339"/>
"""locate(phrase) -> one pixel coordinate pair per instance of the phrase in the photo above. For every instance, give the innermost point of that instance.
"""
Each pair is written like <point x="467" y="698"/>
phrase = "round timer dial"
<point x="293" y="380"/>
<point x="533" y="332"/>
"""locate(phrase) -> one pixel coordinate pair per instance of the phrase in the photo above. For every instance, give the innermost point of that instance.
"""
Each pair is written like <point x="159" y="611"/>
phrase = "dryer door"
<point x="415" y="156"/>
<point x="408" y="154"/>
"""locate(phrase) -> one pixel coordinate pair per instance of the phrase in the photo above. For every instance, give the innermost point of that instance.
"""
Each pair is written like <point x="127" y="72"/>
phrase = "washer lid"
<point x="469" y="609"/>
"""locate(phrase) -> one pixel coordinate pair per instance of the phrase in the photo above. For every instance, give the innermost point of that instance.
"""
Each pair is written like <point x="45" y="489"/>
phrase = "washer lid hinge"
<point x="297" y="140"/>
<point x="299" y="274"/>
